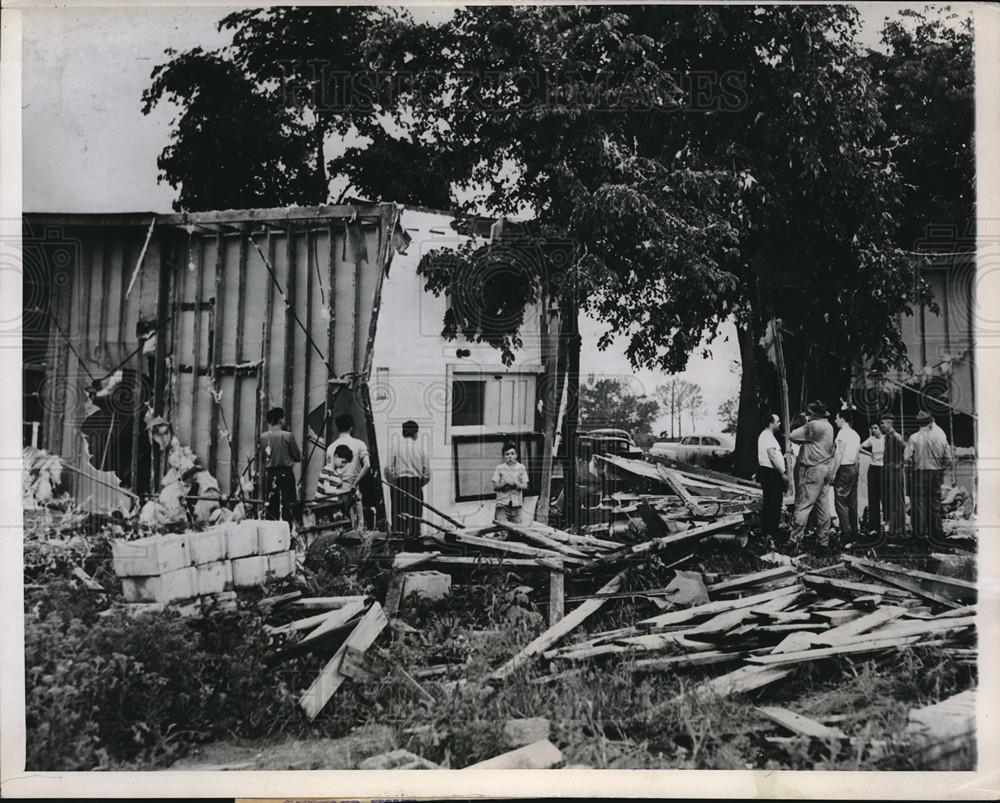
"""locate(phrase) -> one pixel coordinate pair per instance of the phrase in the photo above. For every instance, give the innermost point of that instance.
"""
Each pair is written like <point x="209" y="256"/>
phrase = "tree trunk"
<point x="570" y="339"/>
<point x="745" y="458"/>
<point x="550" y="411"/>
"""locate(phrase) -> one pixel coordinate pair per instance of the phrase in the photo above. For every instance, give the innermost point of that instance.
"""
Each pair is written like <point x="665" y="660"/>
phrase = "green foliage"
<point x="926" y="89"/>
<point x="233" y="145"/>
<point x="728" y="412"/>
<point x="116" y="691"/>
<point x="610" y="403"/>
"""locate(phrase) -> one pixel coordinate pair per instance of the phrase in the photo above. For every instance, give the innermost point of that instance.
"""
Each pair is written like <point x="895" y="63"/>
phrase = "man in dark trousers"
<point x="409" y="471"/>
<point x="279" y="452"/>
<point x="770" y="475"/>
<point x="892" y="477"/>
<point x="927" y="455"/>
<point x="844" y="475"/>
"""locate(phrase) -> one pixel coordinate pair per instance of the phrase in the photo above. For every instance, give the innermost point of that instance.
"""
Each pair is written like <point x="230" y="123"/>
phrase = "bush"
<point x="120" y="691"/>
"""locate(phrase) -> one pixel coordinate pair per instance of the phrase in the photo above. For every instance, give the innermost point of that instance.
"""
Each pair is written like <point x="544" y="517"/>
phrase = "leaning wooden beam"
<point x="434" y="510"/>
<point x="658" y="544"/>
<point x="513" y="547"/>
<point x="330" y="678"/>
<point x="541" y="539"/>
<point x="676" y="483"/>
<point x="557" y="597"/>
<point x="707" y="658"/>
<point x="565" y="625"/>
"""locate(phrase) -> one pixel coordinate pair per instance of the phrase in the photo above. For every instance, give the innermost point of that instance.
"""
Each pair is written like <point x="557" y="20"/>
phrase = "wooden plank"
<point x="719" y="606"/>
<point x="803" y="656"/>
<point x="413" y="684"/>
<point x="922" y="627"/>
<point x="540" y="755"/>
<point x="729" y="619"/>
<point x="847" y="589"/>
<point x="308" y="623"/>
<point x="327" y="603"/>
<point x="707" y="658"/>
<point x="557" y="604"/>
<point x="566" y="625"/>
<point x="541" y="539"/>
<point x="330" y="678"/>
<point x="960" y="589"/>
<point x="799" y="724"/>
<point x="394" y="594"/>
<point x="744" y="679"/>
<point x="338" y="617"/>
<point x="410" y="560"/>
<point x="553" y="564"/>
<point x="290" y="325"/>
<point x="747" y="580"/>
<point x="909" y="585"/>
<point x="331" y="354"/>
<point x="850" y="630"/>
<point x="513" y="547"/>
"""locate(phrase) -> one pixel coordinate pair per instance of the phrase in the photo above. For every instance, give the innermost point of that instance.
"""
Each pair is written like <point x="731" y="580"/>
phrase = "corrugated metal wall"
<point x="231" y="343"/>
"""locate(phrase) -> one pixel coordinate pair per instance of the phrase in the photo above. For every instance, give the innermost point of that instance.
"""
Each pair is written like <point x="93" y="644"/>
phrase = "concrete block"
<point x="154" y="555"/>
<point x="242" y="539"/>
<point x="250" y="571"/>
<point x="281" y="564"/>
<point x="519" y="732"/>
<point x="167" y="587"/>
<point x="429" y="585"/>
<point x="211" y="577"/>
<point x="208" y="546"/>
<point x="274" y="536"/>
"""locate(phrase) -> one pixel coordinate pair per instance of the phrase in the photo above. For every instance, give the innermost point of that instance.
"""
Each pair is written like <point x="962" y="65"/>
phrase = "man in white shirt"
<point x="360" y="464"/>
<point x="408" y="471"/>
<point x="844" y="475"/>
<point x="874" y="446"/>
<point x="770" y="475"/>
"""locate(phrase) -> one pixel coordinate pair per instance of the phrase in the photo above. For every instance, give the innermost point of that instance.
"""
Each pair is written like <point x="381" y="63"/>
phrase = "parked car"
<point x="711" y="450"/>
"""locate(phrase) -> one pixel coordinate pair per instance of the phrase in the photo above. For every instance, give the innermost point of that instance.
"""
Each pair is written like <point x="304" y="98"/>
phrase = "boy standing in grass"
<point x="279" y="452"/>
<point x="510" y="481"/>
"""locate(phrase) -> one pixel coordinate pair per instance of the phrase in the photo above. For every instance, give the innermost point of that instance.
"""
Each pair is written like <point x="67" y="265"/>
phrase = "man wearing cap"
<point x="813" y="474"/>
<point x="927" y="455"/>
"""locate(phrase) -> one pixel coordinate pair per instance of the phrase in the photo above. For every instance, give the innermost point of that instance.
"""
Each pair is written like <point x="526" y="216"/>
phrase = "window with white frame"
<point x="489" y="403"/>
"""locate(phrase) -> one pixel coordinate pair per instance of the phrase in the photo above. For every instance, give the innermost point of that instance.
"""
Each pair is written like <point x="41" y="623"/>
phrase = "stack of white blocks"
<point x="168" y="568"/>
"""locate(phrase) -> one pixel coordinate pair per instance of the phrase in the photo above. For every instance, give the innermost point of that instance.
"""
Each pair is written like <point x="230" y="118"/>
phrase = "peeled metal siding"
<point x="230" y="336"/>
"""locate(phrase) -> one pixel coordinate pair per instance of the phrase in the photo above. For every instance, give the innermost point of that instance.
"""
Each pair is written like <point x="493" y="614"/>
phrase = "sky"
<point x="88" y="147"/>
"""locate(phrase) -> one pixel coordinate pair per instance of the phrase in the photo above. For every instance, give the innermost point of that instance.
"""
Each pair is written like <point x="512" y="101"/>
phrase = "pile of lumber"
<point x="761" y="627"/>
<point x="646" y="500"/>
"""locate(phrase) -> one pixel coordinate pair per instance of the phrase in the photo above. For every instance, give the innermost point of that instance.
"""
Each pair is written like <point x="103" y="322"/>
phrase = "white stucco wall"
<point x="412" y="365"/>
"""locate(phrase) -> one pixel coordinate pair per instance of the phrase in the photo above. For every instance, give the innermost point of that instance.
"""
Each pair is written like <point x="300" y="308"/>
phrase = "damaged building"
<point x="209" y="319"/>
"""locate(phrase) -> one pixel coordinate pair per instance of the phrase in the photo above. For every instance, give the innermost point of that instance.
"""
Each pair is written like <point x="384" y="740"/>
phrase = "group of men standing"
<point x="826" y="458"/>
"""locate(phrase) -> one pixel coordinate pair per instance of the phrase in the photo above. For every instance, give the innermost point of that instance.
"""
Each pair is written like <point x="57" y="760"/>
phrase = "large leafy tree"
<point x="255" y="118"/>
<point x="925" y="84"/>
<point x="703" y="163"/>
